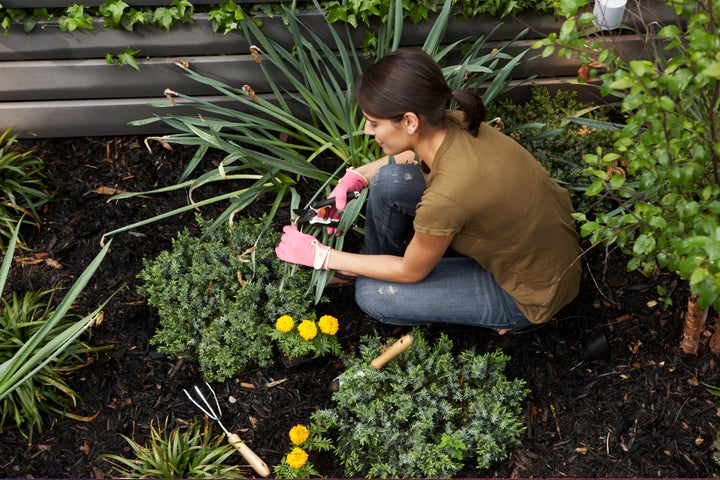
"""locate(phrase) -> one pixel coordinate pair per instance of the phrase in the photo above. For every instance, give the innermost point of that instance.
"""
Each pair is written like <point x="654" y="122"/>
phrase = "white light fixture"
<point x="609" y="13"/>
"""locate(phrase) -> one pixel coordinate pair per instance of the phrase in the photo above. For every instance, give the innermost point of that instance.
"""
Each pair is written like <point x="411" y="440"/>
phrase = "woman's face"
<point x="392" y="136"/>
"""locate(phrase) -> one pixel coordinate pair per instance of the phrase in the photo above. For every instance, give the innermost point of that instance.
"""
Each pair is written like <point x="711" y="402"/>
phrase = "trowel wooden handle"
<point x="250" y="457"/>
<point x="392" y="351"/>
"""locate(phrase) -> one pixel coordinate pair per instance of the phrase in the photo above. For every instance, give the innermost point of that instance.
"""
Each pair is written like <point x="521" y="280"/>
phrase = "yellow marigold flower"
<point x="307" y="329"/>
<point x="297" y="458"/>
<point x="328" y="325"/>
<point x="298" y="434"/>
<point x="285" y="323"/>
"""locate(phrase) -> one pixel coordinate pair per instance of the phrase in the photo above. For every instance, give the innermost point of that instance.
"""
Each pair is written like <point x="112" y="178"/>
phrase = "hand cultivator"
<point x="233" y="439"/>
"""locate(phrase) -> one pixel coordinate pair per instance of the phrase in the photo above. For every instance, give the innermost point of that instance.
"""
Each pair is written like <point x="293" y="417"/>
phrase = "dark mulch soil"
<point x="644" y="412"/>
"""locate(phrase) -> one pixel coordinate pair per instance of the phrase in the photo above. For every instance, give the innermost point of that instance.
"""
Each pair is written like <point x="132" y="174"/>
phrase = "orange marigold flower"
<point x="285" y="323"/>
<point x="297" y="458"/>
<point x="307" y="329"/>
<point x="298" y="434"/>
<point x="328" y="325"/>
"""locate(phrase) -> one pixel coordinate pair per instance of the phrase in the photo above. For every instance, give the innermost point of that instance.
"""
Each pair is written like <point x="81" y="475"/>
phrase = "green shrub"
<point x="215" y="293"/>
<point x="22" y="190"/>
<point x="426" y="413"/>
<point x="663" y="171"/>
<point x="191" y="452"/>
<point x="544" y="126"/>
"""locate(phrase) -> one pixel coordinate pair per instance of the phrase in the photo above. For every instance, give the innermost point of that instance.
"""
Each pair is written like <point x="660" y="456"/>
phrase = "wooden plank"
<point x="79" y="118"/>
<point x="109" y="117"/>
<point x="46" y="42"/>
<point x="58" y="84"/>
<point x="71" y="79"/>
<point x="44" y="80"/>
<point x="67" y="80"/>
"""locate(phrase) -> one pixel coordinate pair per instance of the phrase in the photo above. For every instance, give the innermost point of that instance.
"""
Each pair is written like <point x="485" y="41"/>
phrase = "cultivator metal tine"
<point x="207" y="409"/>
<point x="251" y="457"/>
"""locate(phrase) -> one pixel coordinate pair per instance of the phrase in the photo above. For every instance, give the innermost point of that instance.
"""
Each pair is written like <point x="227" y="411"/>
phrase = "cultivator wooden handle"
<point x="247" y="453"/>
<point x="392" y="351"/>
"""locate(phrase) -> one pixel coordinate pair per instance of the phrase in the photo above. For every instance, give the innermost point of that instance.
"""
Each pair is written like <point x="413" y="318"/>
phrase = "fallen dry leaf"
<point x="85" y="448"/>
<point x="635" y="347"/>
<point x="275" y="383"/>
<point x="108" y="190"/>
<point x="53" y="263"/>
<point x="33" y="259"/>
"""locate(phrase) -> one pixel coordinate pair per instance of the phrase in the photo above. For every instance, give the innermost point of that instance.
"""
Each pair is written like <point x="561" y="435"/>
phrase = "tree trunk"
<point x="694" y="326"/>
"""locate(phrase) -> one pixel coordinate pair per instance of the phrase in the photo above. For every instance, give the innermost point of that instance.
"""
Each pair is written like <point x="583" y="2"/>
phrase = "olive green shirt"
<point x="506" y="212"/>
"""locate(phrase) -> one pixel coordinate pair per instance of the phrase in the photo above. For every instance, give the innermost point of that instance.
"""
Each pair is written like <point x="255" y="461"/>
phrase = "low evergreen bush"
<point x="215" y="293"/>
<point x="426" y="413"/>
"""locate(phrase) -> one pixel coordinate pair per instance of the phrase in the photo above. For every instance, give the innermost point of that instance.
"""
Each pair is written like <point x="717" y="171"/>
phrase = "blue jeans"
<point x="458" y="290"/>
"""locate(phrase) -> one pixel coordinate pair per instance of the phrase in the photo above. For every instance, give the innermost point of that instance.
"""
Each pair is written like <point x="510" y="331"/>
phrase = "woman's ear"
<point x="412" y="123"/>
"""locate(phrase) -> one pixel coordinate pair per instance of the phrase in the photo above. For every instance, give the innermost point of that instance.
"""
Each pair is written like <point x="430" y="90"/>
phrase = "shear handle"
<point x="330" y="202"/>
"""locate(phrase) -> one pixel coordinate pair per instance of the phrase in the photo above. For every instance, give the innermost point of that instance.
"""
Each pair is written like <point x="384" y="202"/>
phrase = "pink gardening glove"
<point x="302" y="249"/>
<point x="352" y="181"/>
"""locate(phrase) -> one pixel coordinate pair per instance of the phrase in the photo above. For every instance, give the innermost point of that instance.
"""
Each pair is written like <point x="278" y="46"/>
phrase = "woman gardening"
<point x="464" y="226"/>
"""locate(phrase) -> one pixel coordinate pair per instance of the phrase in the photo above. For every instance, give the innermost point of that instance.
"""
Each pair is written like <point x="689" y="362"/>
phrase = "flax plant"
<point x="22" y="191"/>
<point x="38" y="344"/>
<point x="273" y="140"/>
<point x="182" y="453"/>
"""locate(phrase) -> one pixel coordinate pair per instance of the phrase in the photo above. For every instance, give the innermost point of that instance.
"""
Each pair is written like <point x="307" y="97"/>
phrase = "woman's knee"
<point x="393" y="178"/>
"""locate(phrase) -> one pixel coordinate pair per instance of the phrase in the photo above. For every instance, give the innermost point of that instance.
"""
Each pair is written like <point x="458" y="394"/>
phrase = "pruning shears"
<point x="318" y="213"/>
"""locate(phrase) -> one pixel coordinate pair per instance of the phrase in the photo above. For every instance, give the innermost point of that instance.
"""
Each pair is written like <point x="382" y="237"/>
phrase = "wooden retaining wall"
<point x="57" y="84"/>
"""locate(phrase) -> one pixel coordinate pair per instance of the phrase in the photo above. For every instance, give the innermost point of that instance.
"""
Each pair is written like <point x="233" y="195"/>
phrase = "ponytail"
<point x="473" y="108"/>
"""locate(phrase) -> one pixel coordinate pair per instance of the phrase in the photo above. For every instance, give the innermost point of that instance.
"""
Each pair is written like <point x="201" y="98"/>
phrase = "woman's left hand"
<point x="302" y="249"/>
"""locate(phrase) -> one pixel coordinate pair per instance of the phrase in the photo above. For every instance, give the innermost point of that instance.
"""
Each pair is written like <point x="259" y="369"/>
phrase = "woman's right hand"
<point x="352" y="181"/>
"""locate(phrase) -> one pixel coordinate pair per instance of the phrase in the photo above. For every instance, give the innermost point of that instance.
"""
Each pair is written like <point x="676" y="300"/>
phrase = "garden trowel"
<point x="378" y="362"/>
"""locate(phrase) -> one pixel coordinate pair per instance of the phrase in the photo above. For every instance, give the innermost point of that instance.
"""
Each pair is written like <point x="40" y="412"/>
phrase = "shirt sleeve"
<point x="439" y="215"/>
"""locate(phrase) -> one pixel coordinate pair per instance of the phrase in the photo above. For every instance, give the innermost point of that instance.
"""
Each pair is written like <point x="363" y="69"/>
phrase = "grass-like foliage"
<point x="190" y="452"/>
<point x="22" y="188"/>
<point x="426" y="413"/>
<point x="274" y="140"/>
<point x="39" y="343"/>
<point x="215" y="293"/>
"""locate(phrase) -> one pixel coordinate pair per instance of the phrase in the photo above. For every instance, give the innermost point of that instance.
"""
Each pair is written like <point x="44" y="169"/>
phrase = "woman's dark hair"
<point x="409" y="80"/>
